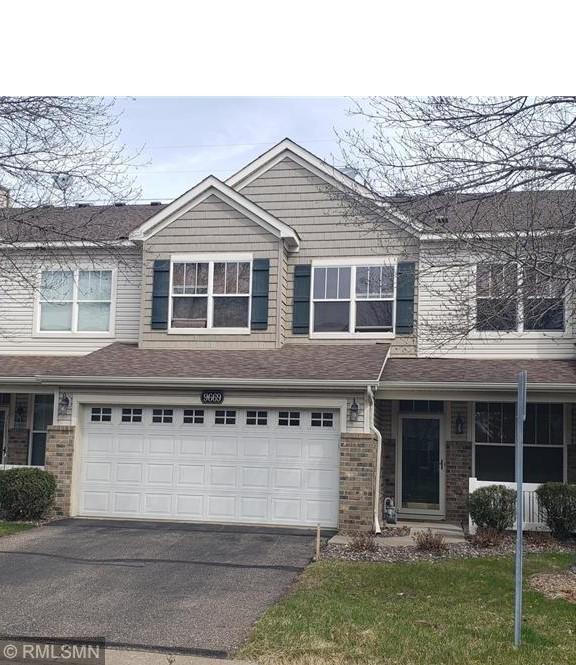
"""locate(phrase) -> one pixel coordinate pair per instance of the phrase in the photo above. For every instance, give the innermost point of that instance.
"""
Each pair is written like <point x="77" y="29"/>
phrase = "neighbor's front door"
<point x="421" y="473"/>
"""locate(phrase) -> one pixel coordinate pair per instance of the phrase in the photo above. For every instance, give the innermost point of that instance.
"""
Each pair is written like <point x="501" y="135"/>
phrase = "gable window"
<point x="210" y="294"/>
<point x="543" y="442"/>
<point x="75" y="301"/>
<point x="357" y="299"/>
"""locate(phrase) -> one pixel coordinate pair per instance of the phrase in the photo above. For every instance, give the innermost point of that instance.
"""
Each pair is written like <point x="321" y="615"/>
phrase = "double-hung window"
<point x="75" y="301"/>
<point x="543" y="301"/>
<point x="505" y="304"/>
<point x="496" y="297"/>
<point x="356" y="299"/>
<point x="210" y="294"/>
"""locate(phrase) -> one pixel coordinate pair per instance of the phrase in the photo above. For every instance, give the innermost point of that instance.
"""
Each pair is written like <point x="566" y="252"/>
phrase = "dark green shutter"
<point x="301" y="313"/>
<point x="260" y="288"/>
<point x="160" y="288"/>
<point x="405" y="297"/>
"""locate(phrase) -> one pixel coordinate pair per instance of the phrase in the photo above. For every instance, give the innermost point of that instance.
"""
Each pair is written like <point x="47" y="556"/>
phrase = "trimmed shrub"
<point x="26" y="494"/>
<point x="492" y="507"/>
<point x="428" y="541"/>
<point x="363" y="541"/>
<point x="558" y="504"/>
<point x="487" y="538"/>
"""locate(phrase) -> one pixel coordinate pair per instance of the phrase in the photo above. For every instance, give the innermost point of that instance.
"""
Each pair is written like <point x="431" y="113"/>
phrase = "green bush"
<point x="558" y="504"/>
<point x="26" y="494"/>
<point x="493" y="507"/>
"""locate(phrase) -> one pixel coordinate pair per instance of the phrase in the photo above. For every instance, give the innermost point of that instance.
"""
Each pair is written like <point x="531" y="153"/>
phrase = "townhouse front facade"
<point x="255" y="352"/>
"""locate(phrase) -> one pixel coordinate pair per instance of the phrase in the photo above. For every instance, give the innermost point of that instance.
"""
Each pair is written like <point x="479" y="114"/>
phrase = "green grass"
<point x="457" y="612"/>
<point x="8" y="528"/>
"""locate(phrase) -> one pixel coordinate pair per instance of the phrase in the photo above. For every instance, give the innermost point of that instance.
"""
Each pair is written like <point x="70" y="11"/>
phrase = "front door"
<point x="421" y="462"/>
<point x="2" y="436"/>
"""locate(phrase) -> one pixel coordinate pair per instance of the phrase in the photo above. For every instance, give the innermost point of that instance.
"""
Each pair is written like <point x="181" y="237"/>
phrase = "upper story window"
<point x="502" y="304"/>
<point x="210" y="295"/>
<point x="75" y="301"/>
<point x="357" y="299"/>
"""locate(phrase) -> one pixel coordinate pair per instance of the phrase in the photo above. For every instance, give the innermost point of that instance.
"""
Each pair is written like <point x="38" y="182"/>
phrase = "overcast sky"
<point x="184" y="139"/>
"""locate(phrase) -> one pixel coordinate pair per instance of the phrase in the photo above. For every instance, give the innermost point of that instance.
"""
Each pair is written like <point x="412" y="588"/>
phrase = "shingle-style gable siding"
<point x="20" y="270"/>
<point x="319" y="215"/>
<point x="211" y="226"/>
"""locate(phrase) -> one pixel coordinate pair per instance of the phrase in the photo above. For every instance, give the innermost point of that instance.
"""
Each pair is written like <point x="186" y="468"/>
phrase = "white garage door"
<point x="213" y="464"/>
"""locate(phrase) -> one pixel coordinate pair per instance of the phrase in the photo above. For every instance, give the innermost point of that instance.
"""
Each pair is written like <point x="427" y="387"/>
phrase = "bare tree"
<point x="56" y="152"/>
<point x="490" y="183"/>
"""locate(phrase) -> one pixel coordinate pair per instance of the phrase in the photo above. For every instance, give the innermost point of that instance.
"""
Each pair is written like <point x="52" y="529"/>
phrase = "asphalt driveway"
<point x="193" y="588"/>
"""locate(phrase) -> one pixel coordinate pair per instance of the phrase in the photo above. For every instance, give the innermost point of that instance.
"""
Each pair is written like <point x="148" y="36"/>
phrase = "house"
<point x="253" y="353"/>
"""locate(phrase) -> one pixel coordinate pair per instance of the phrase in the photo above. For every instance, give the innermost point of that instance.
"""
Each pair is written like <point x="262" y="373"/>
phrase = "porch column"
<point x="59" y="457"/>
<point x="458" y="463"/>
<point x="357" y="469"/>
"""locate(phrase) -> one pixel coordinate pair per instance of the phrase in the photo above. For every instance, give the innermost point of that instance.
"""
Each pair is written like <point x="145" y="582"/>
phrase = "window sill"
<point x="75" y="335"/>
<point x="389" y="335"/>
<point x="208" y="331"/>
<point x="517" y="334"/>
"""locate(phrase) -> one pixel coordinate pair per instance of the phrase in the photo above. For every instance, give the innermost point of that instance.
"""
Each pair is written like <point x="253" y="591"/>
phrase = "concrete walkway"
<point x="452" y="534"/>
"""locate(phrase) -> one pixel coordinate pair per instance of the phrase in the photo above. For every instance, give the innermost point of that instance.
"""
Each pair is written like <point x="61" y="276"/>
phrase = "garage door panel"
<point x="191" y="474"/>
<point x="127" y="503"/>
<point x="161" y="445"/>
<point x="190" y="506"/>
<point x="160" y="474"/>
<point x="254" y="477"/>
<point x="129" y="472"/>
<point x="240" y="472"/>
<point x="98" y="472"/>
<point x="128" y="444"/>
<point x="192" y="445"/>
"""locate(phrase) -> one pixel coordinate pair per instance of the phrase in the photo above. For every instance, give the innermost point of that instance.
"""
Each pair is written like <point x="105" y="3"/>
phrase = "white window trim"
<point x="353" y="263"/>
<point x="111" y="332"/>
<point x="519" y="331"/>
<point x="210" y="259"/>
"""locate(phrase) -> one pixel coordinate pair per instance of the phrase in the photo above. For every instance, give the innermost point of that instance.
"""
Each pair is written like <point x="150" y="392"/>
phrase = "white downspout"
<point x="376" y="431"/>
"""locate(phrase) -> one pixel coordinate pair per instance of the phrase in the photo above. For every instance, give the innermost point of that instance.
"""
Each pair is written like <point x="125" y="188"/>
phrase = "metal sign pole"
<point x="520" y="418"/>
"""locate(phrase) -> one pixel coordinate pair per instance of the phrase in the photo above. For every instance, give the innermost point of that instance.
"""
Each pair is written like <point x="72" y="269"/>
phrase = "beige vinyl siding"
<point x="327" y="229"/>
<point x="20" y="273"/>
<point x="439" y="306"/>
<point x="212" y="226"/>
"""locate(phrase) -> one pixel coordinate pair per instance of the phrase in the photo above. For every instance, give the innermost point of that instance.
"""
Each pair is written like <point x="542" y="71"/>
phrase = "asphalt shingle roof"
<point x="490" y="371"/>
<point x="73" y="224"/>
<point x="293" y="362"/>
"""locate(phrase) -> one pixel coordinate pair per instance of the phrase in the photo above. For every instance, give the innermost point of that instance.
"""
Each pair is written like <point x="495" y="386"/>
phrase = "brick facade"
<point x="17" y="446"/>
<point x="383" y="418"/>
<point x="59" y="458"/>
<point x="357" y="476"/>
<point x="458" y="471"/>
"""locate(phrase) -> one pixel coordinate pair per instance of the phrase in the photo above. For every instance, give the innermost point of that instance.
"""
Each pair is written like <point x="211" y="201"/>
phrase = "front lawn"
<point x="456" y="612"/>
<point x="8" y="528"/>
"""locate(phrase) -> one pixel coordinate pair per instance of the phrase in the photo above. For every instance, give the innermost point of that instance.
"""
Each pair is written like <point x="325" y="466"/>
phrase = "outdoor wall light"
<point x="354" y="409"/>
<point x="459" y="422"/>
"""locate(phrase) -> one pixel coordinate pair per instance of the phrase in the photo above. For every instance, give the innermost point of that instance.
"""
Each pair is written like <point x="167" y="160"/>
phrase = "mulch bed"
<point x="556" y="585"/>
<point x="465" y="550"/>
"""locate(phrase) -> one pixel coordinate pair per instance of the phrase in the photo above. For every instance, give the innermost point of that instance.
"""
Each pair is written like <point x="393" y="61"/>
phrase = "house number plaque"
<point x="212" y="397"/>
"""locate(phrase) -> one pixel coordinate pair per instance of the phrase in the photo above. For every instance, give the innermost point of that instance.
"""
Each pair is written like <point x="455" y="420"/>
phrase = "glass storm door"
<point x="422" y="465"/>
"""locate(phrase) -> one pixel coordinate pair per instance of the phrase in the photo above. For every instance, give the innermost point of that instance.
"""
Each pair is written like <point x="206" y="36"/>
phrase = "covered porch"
<point x="25" y="416"/>
<point x="447" y="426"/>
